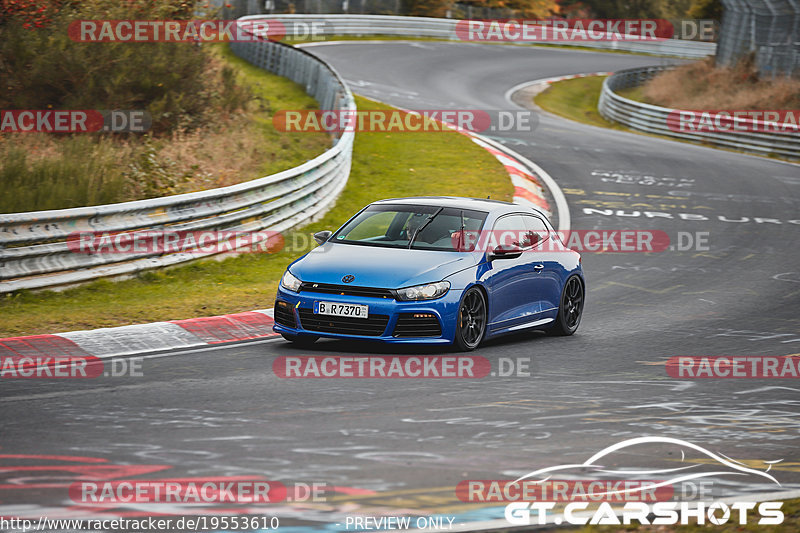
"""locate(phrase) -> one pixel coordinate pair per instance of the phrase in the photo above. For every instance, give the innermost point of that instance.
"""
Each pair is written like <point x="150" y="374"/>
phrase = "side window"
<point x="537" y="229"/>
<point x="511" y="229"/>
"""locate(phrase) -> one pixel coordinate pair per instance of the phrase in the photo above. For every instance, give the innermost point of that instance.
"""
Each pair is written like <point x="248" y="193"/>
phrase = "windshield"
<point x="396" y="226"/>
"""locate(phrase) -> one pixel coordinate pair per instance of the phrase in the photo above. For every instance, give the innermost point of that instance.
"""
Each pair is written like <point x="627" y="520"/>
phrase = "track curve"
<point x="221" y="411"/>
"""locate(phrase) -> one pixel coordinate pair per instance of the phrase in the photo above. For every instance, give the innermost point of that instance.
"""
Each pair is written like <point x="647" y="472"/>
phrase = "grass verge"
<point x="576" y="99"/>
<point x="278" y="150"/>
<point x="385" y="165"/>
<point x="633" y="93"/>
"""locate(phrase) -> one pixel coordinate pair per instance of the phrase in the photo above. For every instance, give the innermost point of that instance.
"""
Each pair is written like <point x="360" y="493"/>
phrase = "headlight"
<point x="429" y="291"/>
<point x="290" y="282"/>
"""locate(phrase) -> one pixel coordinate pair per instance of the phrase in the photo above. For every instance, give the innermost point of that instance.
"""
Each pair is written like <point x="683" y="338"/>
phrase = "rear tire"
<point x="571" y="308"/>
<point x="300" y="340"/>
<point x="471" y="320"/>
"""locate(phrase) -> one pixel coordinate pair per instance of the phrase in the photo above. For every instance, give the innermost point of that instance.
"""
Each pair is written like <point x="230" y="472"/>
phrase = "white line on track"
<point x="564" y="220"/>
<point x="213" y="347"/>
<point x="330" y="43"/>
<point x="48" y="395"/>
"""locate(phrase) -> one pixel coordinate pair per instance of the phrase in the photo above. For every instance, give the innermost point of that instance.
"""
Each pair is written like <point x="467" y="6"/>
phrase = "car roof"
<point x="481" y="204"/>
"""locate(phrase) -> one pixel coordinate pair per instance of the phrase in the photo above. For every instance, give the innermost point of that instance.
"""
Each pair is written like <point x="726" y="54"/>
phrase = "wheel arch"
<point x="483" y="290"/>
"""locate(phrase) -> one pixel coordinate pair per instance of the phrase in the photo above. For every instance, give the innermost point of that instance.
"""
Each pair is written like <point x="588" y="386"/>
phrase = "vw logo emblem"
<point x="348" y="278"/>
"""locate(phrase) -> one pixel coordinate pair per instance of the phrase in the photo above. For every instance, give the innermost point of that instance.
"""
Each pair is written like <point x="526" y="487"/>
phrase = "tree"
<point x="628" y="9"/>
<point x="428" y="8"/>
<point x="538" y="9"/>
<point x="706" y="9"/>
<point x="534" y="9"/>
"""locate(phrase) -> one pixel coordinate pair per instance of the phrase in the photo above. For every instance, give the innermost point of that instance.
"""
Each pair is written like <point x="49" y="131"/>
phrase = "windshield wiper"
<point x="422" y="227"/>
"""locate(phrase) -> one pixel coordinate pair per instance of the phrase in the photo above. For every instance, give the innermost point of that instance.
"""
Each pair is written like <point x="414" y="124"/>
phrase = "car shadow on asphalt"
<point x="366" y="347"/>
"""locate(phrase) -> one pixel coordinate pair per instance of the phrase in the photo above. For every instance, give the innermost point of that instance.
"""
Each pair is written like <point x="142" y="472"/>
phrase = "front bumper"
<point x="389" y="320"/>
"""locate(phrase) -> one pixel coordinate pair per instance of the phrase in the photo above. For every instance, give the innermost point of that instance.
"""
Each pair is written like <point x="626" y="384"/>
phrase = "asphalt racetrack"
<point x="401" y="446"/>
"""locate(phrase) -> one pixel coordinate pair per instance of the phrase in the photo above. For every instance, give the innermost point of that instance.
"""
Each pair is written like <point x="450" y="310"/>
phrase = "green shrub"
<point x="43" y="68"/>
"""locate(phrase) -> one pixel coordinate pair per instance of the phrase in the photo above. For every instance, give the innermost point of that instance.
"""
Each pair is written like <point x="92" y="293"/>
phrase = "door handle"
<point x="538" y="268"/>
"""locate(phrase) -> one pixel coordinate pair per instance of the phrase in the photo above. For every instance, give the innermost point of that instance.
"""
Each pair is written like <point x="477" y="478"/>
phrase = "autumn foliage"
<point x="42" y="68"/>
<point x="30" y="14"/>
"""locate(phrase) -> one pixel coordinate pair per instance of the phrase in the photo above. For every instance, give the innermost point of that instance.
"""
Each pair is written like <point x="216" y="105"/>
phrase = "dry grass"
<point x="226" y="150"/>
<point x="239" y="146"/>
<point x="39" y="171"/>
<point x="701" y="86"/>
<point x="214" y="156"/>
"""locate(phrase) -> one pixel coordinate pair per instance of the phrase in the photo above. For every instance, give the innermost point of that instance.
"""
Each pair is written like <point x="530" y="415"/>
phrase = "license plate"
<point x="337" y="309"/>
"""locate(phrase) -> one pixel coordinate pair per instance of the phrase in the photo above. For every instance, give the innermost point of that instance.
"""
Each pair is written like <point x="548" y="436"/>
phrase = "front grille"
<point x="417" y="325"/>
<point x="284" y="315"/>
<point x="346" y="290"/>
<point x="374" y="326"/>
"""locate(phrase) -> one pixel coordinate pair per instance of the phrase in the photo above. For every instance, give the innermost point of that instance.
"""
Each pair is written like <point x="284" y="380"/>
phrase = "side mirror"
<point x="322" y="236"/>
<point x="533" y="238"/>
<point x="505" y="251"/>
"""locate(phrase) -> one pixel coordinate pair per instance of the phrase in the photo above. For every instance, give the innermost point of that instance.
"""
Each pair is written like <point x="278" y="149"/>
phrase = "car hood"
<point x="374" y="266"/>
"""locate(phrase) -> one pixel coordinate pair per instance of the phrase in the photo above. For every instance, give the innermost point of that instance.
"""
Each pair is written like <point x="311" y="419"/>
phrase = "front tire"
<point x="471" y="320"/>
<point x="571" y="308"/>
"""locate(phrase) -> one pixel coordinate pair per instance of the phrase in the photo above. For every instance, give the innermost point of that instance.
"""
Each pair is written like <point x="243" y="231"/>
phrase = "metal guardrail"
<point x="440" y="28"/>
<point x="665" y="121"/>
<point x="34" y="252"/>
